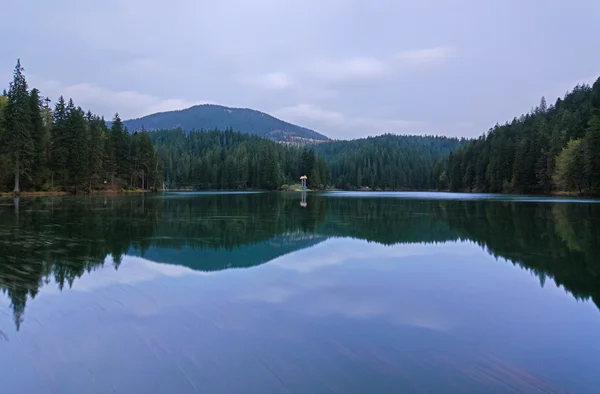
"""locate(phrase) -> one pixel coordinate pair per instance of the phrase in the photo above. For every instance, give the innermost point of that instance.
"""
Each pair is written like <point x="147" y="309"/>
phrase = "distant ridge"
<point x="209" y="117"/>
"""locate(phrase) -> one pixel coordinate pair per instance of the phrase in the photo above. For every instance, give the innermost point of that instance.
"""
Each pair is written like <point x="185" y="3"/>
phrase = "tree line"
<point x="553" y="148"/>
<point x="386" y="162"/>
<point x="230" y="159"/>
<point x="67" y="148"/>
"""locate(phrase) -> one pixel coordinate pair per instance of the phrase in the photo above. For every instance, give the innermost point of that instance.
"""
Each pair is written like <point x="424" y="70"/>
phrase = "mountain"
<point x="209" y="117"/>
<point x="243" y="256"/>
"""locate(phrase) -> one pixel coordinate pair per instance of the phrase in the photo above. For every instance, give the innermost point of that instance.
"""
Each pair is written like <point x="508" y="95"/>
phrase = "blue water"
<point x="257" y="294"/>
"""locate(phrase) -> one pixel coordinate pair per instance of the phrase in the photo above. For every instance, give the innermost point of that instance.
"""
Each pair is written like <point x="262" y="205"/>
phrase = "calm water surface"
<point x="276" y="293"/>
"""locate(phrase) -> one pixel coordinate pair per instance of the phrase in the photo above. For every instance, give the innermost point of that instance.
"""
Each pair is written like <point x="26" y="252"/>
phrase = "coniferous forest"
<point x="61" y="147"/>
<point x="233" y="160"/>
<point x="554" y="148"/>
<point x="387" y="162"/>
<point x="66" y="148"/>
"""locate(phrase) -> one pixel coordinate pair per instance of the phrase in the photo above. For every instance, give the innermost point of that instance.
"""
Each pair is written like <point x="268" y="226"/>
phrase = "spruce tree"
<point x="109" y="156"/>
<point x="17" y="126"/>
<point x="38" y="135"/>
<point x="59" y="150"/>
<point x="120" y="144"/>
<point x="4" y="160"/>
<point x="146" y="159"/>
<point x="592" y="153"/>
<point x="96" y="148"/>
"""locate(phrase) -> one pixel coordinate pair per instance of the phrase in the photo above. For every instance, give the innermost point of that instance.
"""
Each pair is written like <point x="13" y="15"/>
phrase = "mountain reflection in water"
<point x="61" y="239"/>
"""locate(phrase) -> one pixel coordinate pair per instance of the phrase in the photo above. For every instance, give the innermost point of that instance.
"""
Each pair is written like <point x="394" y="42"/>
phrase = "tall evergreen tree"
<point x="97" y="139"/>
<point x="121" y="146"/>
<point x="527" y="155"/>
<point x="5" y="166"/>
<point x="146" y="158"/>
<point x="38" y="135"/>
<point x="17" y="126"/>
<point x="77" y="146"/>
<point x="592" y="153"/>
<point x="60" y="149"/>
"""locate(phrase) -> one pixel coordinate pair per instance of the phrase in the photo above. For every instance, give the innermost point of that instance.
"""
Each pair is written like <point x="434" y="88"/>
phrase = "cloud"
<point x="349" y="68"/>
<point x="269" y="81"/>
<point x="103" y="101"/>
<point x="425" y="56"/>
<point x="365" y="67"/>
<point x="350" y="126"/>
<point x="411" y="59"/>
<point x="310" y="112"/>
<point x="338" y="251"/>
<point x="335" y="293"/>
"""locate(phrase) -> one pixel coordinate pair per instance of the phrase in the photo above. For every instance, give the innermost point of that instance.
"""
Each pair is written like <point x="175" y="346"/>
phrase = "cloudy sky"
<point x="346" y="68"/>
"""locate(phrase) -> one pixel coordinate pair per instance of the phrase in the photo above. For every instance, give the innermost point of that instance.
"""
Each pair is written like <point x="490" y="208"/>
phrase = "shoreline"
<point x="62" y="193"/>
<point x="140" y="191"/>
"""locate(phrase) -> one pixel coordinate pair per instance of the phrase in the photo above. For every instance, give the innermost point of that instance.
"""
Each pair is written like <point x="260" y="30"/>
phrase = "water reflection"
<point x="56" y="241"/>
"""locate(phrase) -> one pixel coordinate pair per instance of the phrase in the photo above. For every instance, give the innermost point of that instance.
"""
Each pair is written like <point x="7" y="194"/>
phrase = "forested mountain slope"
<point x="211" y="117"/>
<point x="65" y="148"/>
<point x="385" y="162"/>
<point x="233" y="160"/>
<point x="552" y="148"/>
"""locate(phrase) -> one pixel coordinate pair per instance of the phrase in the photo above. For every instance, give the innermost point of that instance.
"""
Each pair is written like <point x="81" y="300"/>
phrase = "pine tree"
<point x="96" y="148"/>
<point x="48" y="123"/>
<point x="592" y="153"/>
<point x="17" y="126"/>
<point x="77" y="158"/>
<point x="38" y="135"/>
<point x="315" y="178"/>
<point x="109" y="166"/>
<point x="146" y="158"/>
<point x="59" y="148"/>
<point x="323" y="172"/>
<point x="121" y="146"/>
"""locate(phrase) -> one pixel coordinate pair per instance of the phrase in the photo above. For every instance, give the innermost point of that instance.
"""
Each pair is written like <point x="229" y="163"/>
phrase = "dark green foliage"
<point x="5" y="165"/>
<point x="385" y="162"/>
<point x="556" y="242"/>
<point x="569" y="174"/>
<point x="68" y="149"/>
<point x="17" y="138"/>
<point x="59" y="150"/>
<point x="97" y="140"/>
<point x="226" y="160"/>
<point x="77" y="147"/>
<point x="216" y="117"/>
<point x="521" y="156"/>
<point x="592" y="153"/>
<point x="120" y="143"/>
<point x="38" y="135"/>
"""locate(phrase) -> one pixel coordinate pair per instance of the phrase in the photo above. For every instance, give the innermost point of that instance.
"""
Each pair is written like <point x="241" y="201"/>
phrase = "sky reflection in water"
<point x="328" y="312"/>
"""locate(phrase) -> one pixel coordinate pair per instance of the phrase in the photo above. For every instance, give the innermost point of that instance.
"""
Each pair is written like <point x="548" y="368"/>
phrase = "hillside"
<point x="211" y="117"/>
<point x="554" y="148"/>
<point x="385" y="162"/>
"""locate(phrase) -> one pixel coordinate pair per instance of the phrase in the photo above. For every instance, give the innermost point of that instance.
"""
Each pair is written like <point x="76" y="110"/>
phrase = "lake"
<point x="290" y="293"/>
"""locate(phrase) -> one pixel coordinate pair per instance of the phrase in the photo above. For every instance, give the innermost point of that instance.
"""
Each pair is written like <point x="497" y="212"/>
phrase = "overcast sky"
<point x="345" y="68"/>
